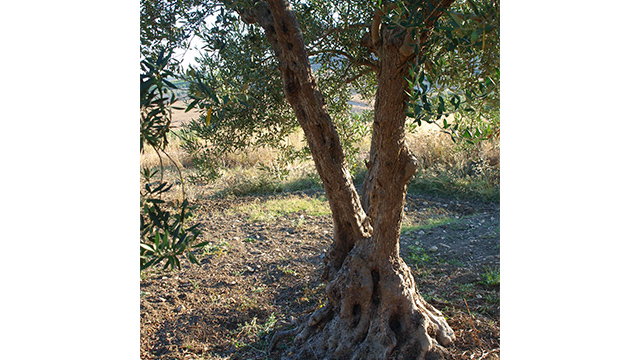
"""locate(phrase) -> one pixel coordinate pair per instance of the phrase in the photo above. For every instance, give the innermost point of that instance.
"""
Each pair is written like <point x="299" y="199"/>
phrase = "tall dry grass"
<point x="446" y="168"/>
<point x="455" y="169"/>
<point x="433" y="148"/>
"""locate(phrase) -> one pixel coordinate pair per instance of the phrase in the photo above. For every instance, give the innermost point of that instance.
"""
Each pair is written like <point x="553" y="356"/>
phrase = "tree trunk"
<point x="374" y="310"/>
<point x="283" y="33"/>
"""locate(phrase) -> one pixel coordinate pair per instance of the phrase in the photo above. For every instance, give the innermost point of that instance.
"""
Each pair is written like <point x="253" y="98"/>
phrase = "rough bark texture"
<point x="350" y="221"/>
<point x="373" y="309"/>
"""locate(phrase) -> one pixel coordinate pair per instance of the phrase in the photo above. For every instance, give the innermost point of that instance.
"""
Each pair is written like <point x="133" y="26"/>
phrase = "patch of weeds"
<point x="419" y="259"/>
<point x="249" y="240"/>
<point x="258" y="289"/>
<point x="466" y="290"/>
<point x="196" y="285"/>
<point x="286" y="270"/>
<point x="299" y="222"/>
<point x="310" y="296"/>
<point x="248" y="328"/>
<point x="421" y="273"/>
<point x="214" y="297"/>
<point x="254" y="330"/>
<point x="493" y="298"/>
<point x="144" y="293"/>
<point x="428" y="297"/>
<point x="418" y="255"/>
<point x="248" y="303"/>
<point x="238" y="343"/>
<point x="491" y="277"/>
<point x="454" y="262"/>
<point x="219" y="249"/>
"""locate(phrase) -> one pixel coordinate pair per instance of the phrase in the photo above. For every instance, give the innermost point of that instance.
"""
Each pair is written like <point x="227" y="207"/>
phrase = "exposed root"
<point x="374" y="312"/>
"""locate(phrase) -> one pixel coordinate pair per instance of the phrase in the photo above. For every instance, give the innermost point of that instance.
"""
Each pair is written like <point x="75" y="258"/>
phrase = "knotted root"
<point x="373" y="312"/>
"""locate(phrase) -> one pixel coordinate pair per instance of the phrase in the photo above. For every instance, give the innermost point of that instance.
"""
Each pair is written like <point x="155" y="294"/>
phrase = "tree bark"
<point x="374" y="310"/>
<point x="302" y="92"/>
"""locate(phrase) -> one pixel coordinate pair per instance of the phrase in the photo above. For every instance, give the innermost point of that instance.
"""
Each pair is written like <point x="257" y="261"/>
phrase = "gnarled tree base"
<point x="373" y="312"/>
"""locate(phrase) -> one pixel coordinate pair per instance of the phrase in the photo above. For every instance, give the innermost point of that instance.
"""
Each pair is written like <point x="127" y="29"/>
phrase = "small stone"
<point x="420" y="232"/>
<point x="179" y="308"/>
<point x="479" y="296"/>
<point x="433" y="249"/>
<point x="162" y="299"/>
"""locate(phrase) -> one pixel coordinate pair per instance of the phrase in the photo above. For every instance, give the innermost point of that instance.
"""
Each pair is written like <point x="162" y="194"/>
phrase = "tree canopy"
<point x="236" y="86"/>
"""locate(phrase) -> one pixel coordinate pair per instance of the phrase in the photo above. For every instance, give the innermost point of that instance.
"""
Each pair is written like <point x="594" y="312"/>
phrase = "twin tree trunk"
<point x="374" y="310"/>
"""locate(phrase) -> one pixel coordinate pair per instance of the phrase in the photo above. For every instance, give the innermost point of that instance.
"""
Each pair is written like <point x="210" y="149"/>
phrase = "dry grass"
<point x="149" y="158"/>
<point x="445" y="167"/>
<point x="433" y="148"/>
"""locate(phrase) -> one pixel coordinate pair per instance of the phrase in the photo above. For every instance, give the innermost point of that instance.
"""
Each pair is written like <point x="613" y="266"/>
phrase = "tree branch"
<point x="358" y="76"/>
<point x="408" y="45"/>
<point x="375" y="27"/>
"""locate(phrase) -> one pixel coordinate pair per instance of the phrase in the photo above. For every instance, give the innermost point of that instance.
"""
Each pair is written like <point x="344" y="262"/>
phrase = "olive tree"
<point x="419" y="61"/>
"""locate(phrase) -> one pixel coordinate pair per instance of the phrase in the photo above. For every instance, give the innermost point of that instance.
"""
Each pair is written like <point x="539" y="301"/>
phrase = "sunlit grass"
<point x="412" y="225"/>
<point x="272" y="209"/>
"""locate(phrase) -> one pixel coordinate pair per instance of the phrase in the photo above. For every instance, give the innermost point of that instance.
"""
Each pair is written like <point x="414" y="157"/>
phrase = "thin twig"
<point x="184" y="196"/>
<point x="475" y="337"/>
<point x="490" y="352"/>
<point x="161" y="165"/>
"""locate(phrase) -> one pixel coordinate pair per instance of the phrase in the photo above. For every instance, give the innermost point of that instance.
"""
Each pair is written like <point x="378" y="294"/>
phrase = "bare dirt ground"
<point x="257" y="277"/>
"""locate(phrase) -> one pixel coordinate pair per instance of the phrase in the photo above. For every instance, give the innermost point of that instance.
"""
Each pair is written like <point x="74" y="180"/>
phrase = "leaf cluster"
<point x="163" y="233"/>
<point x="156" y="98"/>
<point x="457" y="72"/>
<point x="171" y="24"/>
<point x="237" y="91"/>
